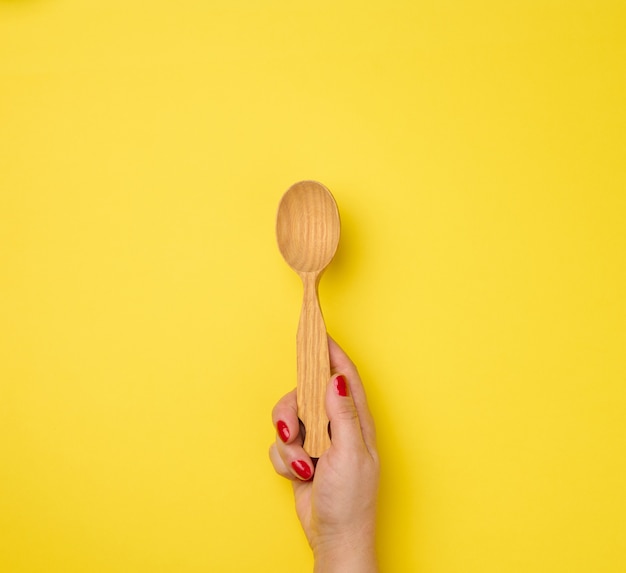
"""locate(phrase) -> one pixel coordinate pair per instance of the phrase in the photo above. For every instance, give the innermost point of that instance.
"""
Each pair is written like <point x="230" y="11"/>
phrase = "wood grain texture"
<point x="307" y="230"/>
<point x="313" y="366"/>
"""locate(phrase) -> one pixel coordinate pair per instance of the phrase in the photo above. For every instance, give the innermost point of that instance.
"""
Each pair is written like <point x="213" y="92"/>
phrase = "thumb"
<point x="345" y="427"/>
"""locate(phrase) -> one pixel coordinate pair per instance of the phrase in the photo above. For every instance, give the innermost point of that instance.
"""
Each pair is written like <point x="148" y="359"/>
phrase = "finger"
<point x="291" y="461"/>
<point x="342" y="364"/>
<point x="279" y="465"/>
<point x="288" y="457"/>
<point x="285" y="419"/>
<point x="339" y="360"/>
<point x="345" y="425"/>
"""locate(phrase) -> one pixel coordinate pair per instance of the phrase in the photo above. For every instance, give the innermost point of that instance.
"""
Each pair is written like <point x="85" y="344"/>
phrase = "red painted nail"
<point x="302" y="469"/>
<point x="341" y="385"/>
<point x="283" y="431"/>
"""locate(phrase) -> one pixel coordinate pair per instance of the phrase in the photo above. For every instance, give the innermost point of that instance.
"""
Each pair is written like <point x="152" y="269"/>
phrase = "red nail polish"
<point x="302" y="469"/>
<point x="341" y="385"/>
<point x="283" y="431"/>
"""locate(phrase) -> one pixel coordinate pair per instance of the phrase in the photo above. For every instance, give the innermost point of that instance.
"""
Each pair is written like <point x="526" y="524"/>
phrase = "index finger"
<point x="285" y="417"/>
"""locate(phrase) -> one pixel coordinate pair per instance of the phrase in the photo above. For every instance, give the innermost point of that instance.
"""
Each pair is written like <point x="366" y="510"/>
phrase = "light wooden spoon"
<point x="307" y="230"/>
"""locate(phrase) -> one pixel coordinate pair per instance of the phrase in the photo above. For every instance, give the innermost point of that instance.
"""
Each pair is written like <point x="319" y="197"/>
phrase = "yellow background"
<point x="477" y="154"/>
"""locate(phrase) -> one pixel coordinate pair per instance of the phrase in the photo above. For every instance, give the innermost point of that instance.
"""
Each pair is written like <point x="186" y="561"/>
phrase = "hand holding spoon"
<point x="307" y="230"/>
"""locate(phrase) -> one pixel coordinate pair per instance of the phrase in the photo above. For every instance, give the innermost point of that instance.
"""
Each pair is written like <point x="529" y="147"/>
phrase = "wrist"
<point x="346" y="562"/>
<point x="347" y="554"/>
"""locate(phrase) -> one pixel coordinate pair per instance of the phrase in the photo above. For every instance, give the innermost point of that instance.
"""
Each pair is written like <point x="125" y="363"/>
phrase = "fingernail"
<point x="302" y="469"/>
<point x="283" y="431"/>
<point x="341" y="385"/>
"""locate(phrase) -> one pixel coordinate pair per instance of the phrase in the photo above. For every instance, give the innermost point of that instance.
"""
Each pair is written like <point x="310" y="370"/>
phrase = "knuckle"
<point x="347" y="413"/>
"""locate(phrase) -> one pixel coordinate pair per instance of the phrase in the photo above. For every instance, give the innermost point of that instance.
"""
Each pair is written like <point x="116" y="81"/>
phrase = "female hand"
<point x="335" y="499"/>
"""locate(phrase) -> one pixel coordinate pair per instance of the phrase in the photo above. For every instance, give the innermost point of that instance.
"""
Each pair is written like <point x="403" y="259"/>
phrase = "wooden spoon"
<point x="307" y="229"/>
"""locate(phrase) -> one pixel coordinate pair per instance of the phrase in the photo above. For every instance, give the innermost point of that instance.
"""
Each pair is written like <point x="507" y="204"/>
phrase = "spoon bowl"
<point x="307" y="227"/>
<point x="307" y="231"/>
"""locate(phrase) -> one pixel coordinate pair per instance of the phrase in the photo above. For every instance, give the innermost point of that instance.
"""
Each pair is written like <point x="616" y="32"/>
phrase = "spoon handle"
<point x="313" y="366"/>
